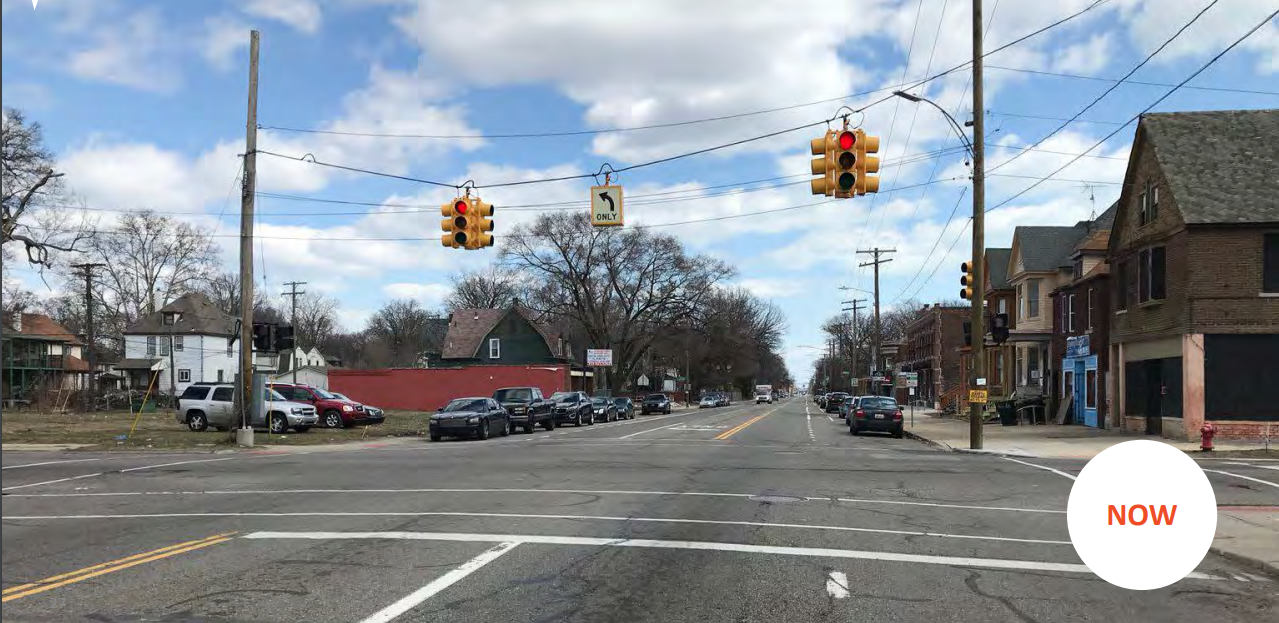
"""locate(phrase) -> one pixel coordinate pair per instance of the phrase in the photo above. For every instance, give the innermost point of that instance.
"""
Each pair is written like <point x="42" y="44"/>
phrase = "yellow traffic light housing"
<point x="846" y="162"/>
<point x="480" y="212"/>
<point x="966" y="292"/>
<point x="824" y="167"/>
<point x="863" y="146"/>
<point x="456" y="223"/>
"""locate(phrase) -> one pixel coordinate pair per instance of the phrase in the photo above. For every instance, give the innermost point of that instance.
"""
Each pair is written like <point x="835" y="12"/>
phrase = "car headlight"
<point x="297" y="410"/>
<point x="346" y="407"/>
<point x="473" y="420"/>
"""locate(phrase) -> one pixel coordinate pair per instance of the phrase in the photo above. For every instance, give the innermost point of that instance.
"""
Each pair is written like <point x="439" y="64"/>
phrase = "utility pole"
<point x="91" y="394"/>
<point x="856" y="306"/>
<point x="874" y="356"/>
<point x="979" y="230"/>
<point x="244" y="436"/>
<point x="293" y="296"/>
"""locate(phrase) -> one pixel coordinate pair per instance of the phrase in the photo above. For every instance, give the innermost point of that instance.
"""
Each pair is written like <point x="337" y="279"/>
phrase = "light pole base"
<point x="244" y="437"/>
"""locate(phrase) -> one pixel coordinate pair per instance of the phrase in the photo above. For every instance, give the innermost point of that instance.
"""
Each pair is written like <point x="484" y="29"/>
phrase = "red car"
<point x="334" y="412"/>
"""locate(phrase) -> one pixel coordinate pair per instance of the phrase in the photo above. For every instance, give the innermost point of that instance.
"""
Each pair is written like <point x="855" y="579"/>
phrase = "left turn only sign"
<point x="606" y="206"/>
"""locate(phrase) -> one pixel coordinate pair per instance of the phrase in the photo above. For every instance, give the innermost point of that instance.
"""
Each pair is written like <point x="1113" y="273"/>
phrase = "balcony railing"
<point x="44" y="362"/>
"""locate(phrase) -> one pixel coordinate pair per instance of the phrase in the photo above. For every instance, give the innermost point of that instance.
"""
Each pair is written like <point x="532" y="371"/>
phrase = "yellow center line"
<point x="734" y="430"/>
<point x="71" y="577"/>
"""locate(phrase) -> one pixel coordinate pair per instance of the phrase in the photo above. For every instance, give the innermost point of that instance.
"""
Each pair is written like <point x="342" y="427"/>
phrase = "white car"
<point x="708" y="402"/>
<point x="213" y="404"/>
<point x="764" y="398"/>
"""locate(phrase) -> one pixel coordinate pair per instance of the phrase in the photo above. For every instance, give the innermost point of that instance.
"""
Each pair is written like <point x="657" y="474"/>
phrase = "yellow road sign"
<point x="606" y="206"/>
<point x="977" y="395"/>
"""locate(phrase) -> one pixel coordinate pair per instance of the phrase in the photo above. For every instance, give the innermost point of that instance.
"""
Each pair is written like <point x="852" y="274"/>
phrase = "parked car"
<point x="203" y="405"/>
<point x="876" y="413"/>
<point x="572" y="408"/>
<point x="373" y="412"/>
<point x="655" y="403"/>
<point x="334" y="412"/>
<point x="833" y="400"/>
<point x="708" y="402"/>
<point x="475" y="416"/>
<point x="847" y="405"/>
<point x="625" y="408"/>
<point x="526" y="407"/>
<point x="603" y="409"/>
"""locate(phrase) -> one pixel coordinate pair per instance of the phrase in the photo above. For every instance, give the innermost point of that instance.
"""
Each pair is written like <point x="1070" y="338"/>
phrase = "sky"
<point x="144" y="102"/>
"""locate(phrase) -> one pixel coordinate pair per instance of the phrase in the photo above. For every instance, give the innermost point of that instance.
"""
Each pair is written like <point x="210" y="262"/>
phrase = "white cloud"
<point x="772" y="288"/>
<point x="429" y="294"/>
<point x="1085" y="58"/>
<point x="1150" y="22"/>
<point x="223" y="38"/>
<point x="131" y="52"/>
<point x="303" y="15"/>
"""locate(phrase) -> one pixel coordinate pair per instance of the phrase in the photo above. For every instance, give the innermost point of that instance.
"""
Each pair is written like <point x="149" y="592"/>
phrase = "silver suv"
<point x="203" y="405"/>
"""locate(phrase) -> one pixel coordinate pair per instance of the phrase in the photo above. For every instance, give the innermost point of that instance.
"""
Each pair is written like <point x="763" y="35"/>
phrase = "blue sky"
<point x="144" y="103"/>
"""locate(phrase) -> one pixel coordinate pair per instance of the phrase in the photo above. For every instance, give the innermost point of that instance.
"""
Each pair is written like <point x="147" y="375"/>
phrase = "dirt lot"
<point x="109" y="430"/>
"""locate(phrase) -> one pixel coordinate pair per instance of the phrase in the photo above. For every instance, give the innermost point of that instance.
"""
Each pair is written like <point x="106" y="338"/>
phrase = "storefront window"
<point x="1090" y="390"/>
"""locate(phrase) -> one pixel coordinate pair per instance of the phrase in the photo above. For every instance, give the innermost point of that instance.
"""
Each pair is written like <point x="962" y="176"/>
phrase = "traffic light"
<point x="824" y="167"/>
<point x="968" y="333"/>
<point x="456" y="223"/>
<point x="846" y="163"/>
<point x="999" y="328"/>
<point x="865" y="145"/>
<point x="479" y="214"/>
<point x="283" y="339"/>
<point x="263" y="336"/>
<point x="967" y="281"/>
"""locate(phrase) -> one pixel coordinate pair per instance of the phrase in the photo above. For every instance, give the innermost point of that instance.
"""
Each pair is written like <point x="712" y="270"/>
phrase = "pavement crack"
<point x="971" y="583"/>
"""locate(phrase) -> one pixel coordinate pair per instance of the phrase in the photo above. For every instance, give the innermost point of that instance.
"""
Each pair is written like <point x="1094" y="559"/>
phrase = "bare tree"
<point x="400" y="332"/>
<point x="622" y="287"/>
<point x="491" y="288"/>
<point x="317" y="318"/>
<point x="29" y="182"/>
<point x="17" y="298"/>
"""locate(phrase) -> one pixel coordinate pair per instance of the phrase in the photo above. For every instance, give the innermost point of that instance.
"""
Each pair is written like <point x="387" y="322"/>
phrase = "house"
<point x="501" y="337"/>
<point x="298" y="358"/>
<point x="190" y="340"/>
<point x="1081" y="332"/>
<point x="40" y="355"/>
<point x="931" y="349"/>
<point x="1194" y="255"/>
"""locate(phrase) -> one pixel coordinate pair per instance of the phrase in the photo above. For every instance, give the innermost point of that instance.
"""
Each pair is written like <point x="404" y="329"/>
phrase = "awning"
<point x="138" y="364"/>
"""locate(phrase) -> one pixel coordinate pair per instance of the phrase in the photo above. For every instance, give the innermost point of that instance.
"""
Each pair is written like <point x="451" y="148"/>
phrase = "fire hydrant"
<point x="1205" y="436"/>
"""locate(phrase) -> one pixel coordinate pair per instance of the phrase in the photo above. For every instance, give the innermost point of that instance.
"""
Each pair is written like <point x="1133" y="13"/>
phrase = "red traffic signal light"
<point x="847" y="139"/>
<point x="846" y="161"/>
<point x="460" y="206"/>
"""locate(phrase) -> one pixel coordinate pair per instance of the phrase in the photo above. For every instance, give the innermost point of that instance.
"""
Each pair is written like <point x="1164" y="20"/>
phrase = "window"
<point x="177" y="343"/>
<point x="495" y="348"/>
<point x="1149" y="203"/>
<point x="195" y="392"/>
<point x="1090" y="389"/>
<point x="1079" y="268"/>
<point x="999" y="367"/>
<point x="1151" y="278"/>
<point x="1270" y="263"/>
<point x="164" y="346"/>
<point x="150" y="345"/>
<point x="220" y="375"/>
<point x="1032" y="363"/>
<point x="1020" y="372"/>
<point x="223" y="394"/>
<point x="230" y="348"/>
<point x="184" y="375"/>
<point x="1021" y="301"/>
<point x="1003" y="306"/>
<point x="1032" y="297"/>
<point x="1090" y="307"/>
<point x="1070" y="313"/>
<point x="170" y="318"/>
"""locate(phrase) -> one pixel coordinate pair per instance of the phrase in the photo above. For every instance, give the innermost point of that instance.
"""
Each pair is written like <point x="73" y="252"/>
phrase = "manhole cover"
<point x="776" y="499"/>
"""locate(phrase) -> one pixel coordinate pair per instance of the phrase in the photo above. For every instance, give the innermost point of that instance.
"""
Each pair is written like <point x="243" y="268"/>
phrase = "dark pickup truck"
<point x="526" y="406"/>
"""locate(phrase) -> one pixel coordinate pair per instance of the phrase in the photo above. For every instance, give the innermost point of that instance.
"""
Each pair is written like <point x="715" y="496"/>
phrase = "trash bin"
<point x="1007" y="410"/>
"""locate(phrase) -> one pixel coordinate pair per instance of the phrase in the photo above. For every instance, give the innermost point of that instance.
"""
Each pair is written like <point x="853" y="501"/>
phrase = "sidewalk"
<point x="1042" y="441"/>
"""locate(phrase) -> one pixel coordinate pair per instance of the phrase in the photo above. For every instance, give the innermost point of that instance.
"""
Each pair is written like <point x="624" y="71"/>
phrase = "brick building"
<point x="931" y="349"/>
<point x="1081" y="314"/>
<point x="1194" y="253"/>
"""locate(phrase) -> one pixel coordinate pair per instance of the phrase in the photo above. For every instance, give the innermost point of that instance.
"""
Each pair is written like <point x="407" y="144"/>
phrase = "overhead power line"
<point x="1136" y="82"/>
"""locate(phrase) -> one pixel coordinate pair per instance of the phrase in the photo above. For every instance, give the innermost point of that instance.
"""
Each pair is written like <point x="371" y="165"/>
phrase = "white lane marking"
<point x="49" y="463"/>
<point x="537" y="491"/>
<point x="832" y="420"/>
<point x="991" y="563"/>
<point x="448" y="579"/>
<point x="1264" y="482"/>
<point x="649" y="430"/>
<point x="680" y="520"/>
<point x="1255" y="578"/>
<point x="808" y="416"/>
<point x="1227" y="462"/>
<point x="837" y="585"/>
<point x="134" y="469"/>
<point x="1044" y="467"/>
<point x="50" y="482"/>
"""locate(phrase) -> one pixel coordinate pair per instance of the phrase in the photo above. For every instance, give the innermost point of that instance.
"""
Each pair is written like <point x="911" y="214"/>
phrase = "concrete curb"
<point x="945" y="446"/>
<point x="1248" y="561"/>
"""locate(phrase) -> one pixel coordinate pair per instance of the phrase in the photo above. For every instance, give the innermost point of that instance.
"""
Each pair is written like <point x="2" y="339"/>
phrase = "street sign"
<point x="599" y="357"/>
<point x="606" y="206"/>
<point x="977" y="395"/>
<point x="643" y="380"/>
<point x="912" y="391"/>
<point x="908" y="379"/>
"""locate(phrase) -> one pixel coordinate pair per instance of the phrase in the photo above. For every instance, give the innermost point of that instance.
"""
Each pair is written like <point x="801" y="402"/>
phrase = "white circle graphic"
<point x="1142" y="515"/>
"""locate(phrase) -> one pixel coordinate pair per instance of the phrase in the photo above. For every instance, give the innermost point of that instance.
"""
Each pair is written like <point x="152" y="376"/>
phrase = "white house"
<point x="311" y="367"/>
<point x="188" y="341"/>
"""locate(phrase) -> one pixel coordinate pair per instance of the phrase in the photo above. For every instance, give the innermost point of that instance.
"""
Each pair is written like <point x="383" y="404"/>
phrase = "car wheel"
<point x="668" y="410"/>
<point x="301" y="429"/>
<point x="578" y="421"/>
<point x="528" y="428"/>
<point x="484" y="429"/>
<point x="197" y="421"/>
<point x="853" y="431"/>
<point x="590" y="419"/>
<point x="549" y="424"/>
<point x="436" y="436"/>
<point x="278" y="423"/>
<point x="897" y="433"/>
<point x="507" y="428"/>
<point x="332" y="419"/>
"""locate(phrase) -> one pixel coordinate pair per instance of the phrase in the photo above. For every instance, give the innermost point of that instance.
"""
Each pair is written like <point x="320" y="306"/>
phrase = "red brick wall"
<point x="418" y="389"/>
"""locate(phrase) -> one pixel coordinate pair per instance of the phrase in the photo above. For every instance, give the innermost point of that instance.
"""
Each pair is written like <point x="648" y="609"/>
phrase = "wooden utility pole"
<point x="90" y="393"/>
<point x="979" y="232"/>
<point x="293" y="321"/>
<point x="245" y="435"/>
<point x="874" y="361"/>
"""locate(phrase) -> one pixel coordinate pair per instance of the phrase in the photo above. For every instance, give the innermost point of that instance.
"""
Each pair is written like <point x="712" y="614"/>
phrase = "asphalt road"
<point x="763" y="513"/>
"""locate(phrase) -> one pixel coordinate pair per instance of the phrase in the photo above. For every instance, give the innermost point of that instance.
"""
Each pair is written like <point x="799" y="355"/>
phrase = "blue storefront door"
<point x="1077" y="407"/>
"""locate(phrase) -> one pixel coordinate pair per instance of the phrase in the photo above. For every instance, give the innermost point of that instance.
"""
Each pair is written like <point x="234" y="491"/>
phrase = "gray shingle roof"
<point x="1222" y="166"/>
<point x="1044" y="249"/>
<point x="198" y="316"/>
<point x="467" y="328"/>
<point x="997" y="264"/>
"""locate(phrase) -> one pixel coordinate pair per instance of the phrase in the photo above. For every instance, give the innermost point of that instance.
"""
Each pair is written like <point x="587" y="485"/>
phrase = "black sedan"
<point x="603" y="409"/>
<point x="470" y="417"/>
<point x="572" y="408"/>
<point x="655" y="403"/>
<point x="625" y="408"/>
<point x="876" y="413"/>
<point x="833" y="401"/>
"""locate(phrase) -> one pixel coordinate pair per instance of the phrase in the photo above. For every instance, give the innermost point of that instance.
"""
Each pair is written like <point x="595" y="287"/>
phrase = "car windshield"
<point x="514" y="394"/>
<point x="877" y="402"/>
<point x="621" y="401"/>
<point x="558" y="396"/>
<point x="655" y="397"/>
<point x="341" y="397"/>
<point x="324" y="394"/>
<point x="466" y="404"/>
<point x="599" y="401"/>
<point x="271" y="394"/>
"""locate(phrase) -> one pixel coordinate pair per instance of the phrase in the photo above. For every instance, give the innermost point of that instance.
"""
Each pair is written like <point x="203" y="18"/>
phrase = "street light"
<point x="968" y="145"/>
